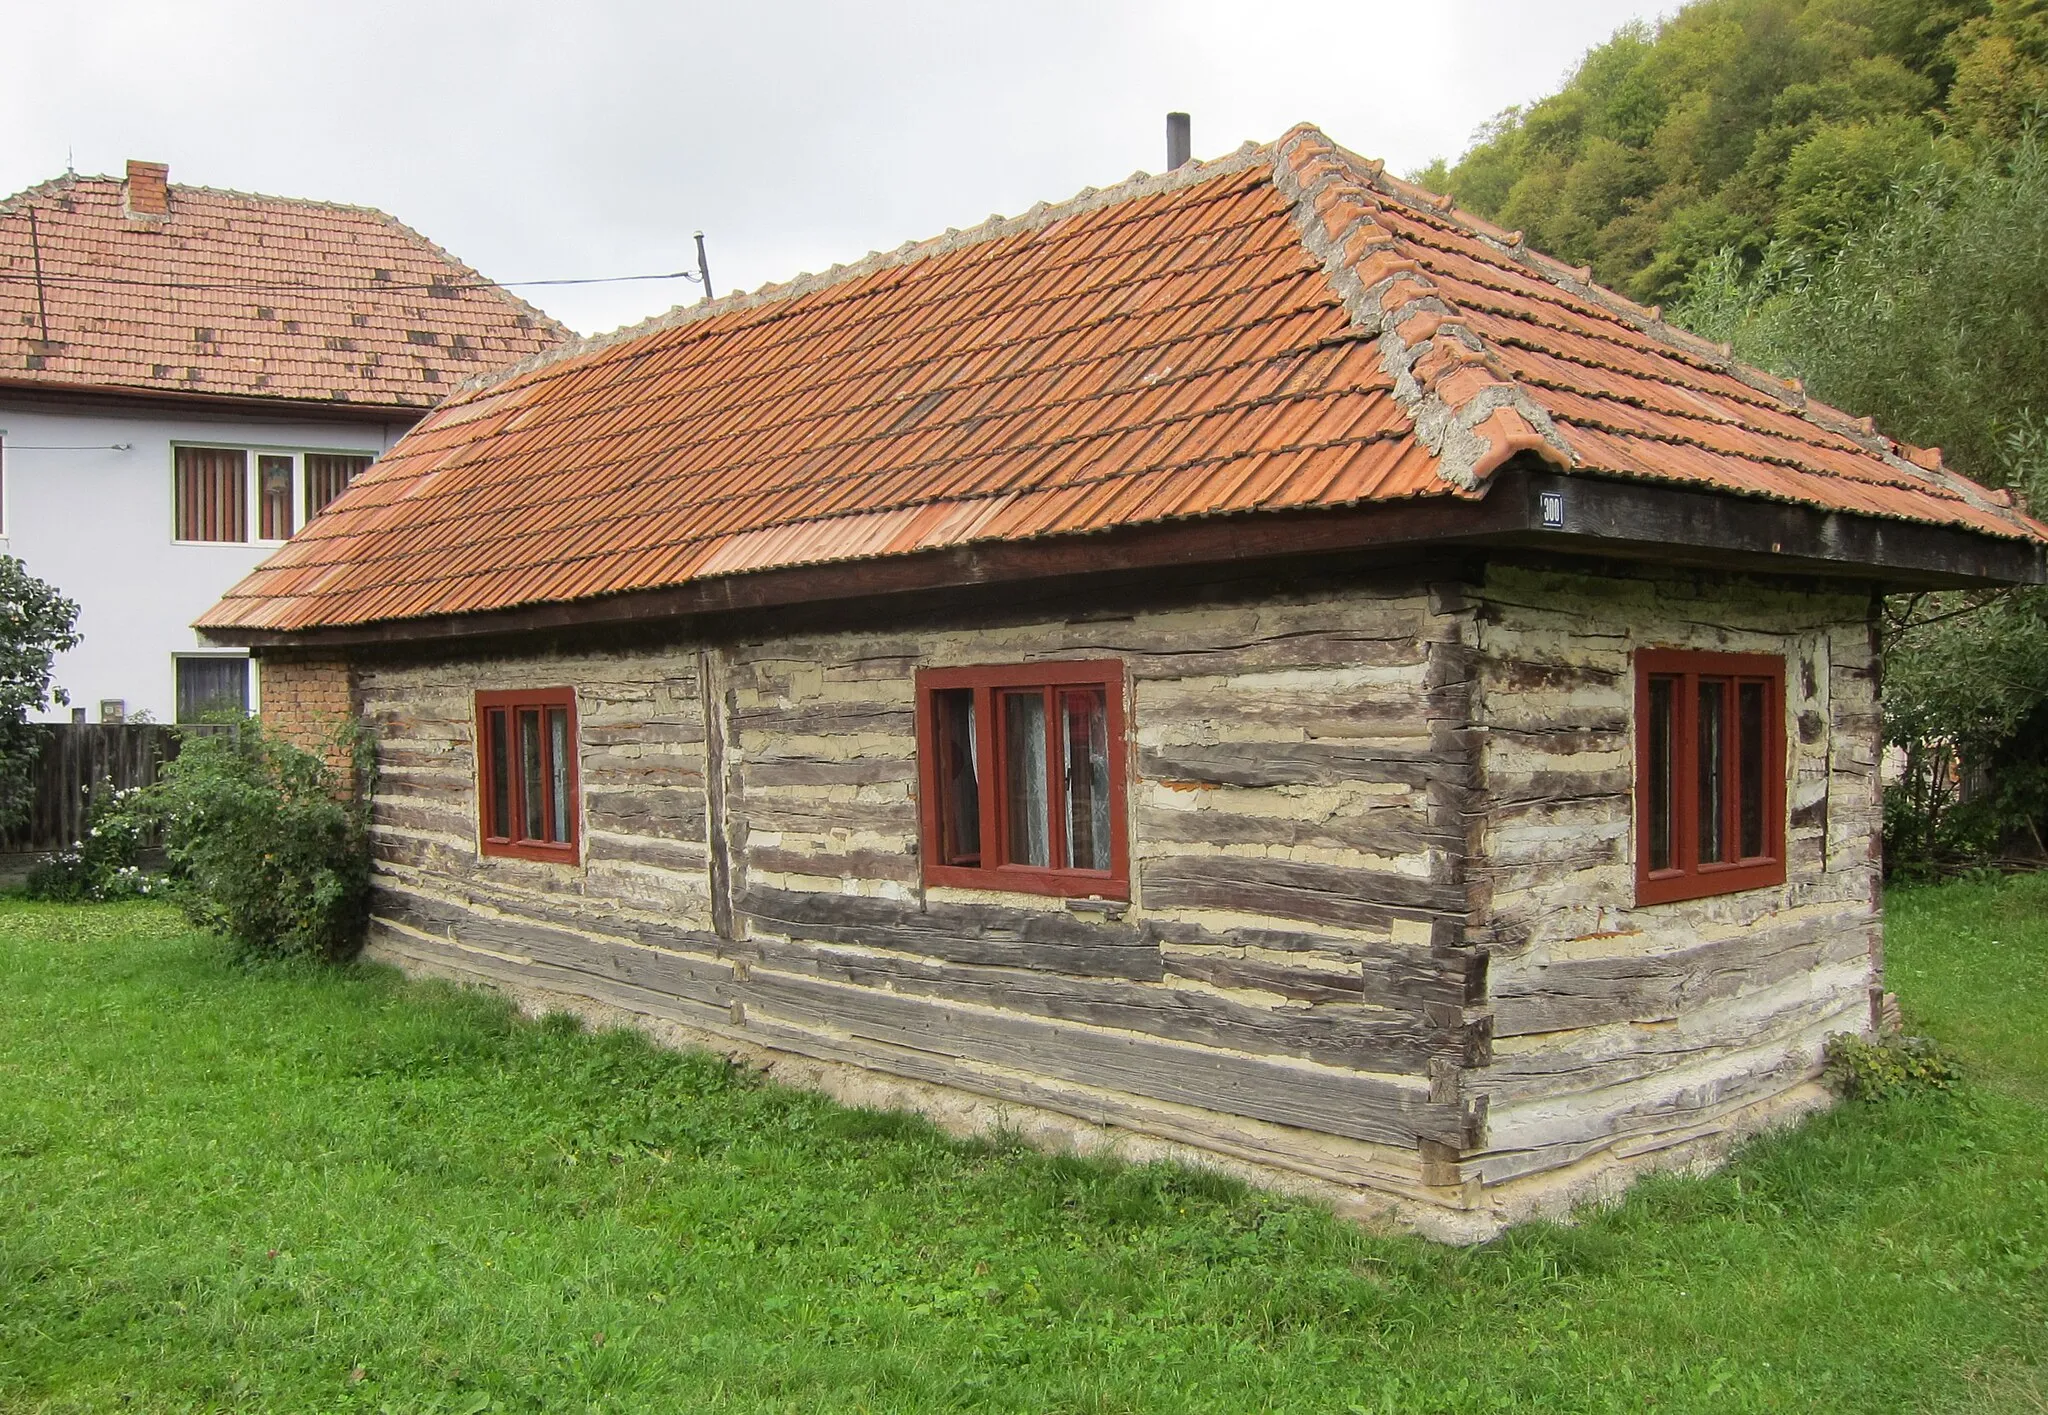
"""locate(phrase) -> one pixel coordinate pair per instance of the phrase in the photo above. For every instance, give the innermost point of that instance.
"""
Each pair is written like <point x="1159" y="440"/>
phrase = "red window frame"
<point x="988" y="689"/>
<point x="1683" y="875"/>
<point x="564" y="808"/>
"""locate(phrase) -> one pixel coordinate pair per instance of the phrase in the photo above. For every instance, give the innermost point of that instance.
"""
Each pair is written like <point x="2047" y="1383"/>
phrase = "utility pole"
<point x="703" y="266"/>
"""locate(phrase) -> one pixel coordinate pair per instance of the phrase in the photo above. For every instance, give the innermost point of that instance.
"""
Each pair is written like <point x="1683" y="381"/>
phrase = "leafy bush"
<point x="263" y="848"/>
<point x="36" y="624"/>
<point x="1863" y="1069"/>
<point x="107" y="862"/>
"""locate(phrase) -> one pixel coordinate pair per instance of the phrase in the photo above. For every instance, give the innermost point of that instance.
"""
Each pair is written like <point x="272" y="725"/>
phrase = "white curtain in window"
<point x="1030" y="816"/>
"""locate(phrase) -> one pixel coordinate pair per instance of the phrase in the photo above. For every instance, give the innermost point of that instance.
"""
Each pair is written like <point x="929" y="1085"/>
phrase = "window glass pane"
<point x="211" y="489"/>
<point x="1084" y="743"/>
<point x="959" y="777"/>
<point x="274" y="476"/>
<point x="558" y="773"/>
<point x="531" y="797"/>
<point x="207" y="686"/>
<point x="1660" y="806"/>
<point x="327" y="476"/>
<point x="1751" y="701"/>
<point x="1713" y="735"/>
<point x="1024" y="778"/>
<point x="501" y="776"/>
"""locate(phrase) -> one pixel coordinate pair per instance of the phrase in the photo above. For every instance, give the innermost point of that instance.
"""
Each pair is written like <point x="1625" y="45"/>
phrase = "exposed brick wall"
<point x="305" y="701"/>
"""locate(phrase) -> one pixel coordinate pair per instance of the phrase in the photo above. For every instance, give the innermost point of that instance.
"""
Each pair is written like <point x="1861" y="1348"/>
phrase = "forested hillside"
<point x="1854" y="192"/>
<point x="1740" y="123"/>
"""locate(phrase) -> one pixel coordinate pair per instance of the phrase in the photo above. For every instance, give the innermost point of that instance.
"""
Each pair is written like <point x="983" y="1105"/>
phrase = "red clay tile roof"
<point x="229" y="295"/>
<point x="1287" y="328"/>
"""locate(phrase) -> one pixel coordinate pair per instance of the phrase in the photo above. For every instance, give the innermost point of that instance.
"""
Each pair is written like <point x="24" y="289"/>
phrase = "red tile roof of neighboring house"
<point x="144" y="286"/>
<point x="1287" y="328"/>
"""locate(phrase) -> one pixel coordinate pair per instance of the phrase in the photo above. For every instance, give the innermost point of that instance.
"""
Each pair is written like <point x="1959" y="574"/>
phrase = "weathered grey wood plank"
<point x="1535" y="996"/>
<point x="1291" y="764"/>
<point x="1390" y="972"/>
<point x="1288" y="889"/>
<point x="1049" y="940"/>
<point x="699" y="979"/>
<point x="1352" y="1035"/>
<point x="1289" y="1093"/>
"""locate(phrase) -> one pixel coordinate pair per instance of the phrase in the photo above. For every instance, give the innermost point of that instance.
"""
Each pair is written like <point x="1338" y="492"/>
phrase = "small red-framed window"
<point x="1710" y="773"/>
<point x="1021" y="778"/>
<point x="528" y="795"/>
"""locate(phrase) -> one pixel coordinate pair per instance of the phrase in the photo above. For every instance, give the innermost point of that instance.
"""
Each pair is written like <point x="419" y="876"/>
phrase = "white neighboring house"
<point x="187" y="376"/>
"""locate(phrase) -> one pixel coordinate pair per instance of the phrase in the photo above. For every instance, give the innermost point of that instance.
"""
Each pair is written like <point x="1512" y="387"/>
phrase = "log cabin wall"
<point x="1290" y="984"/>
<point x="1381" y="931"/>
<point x="1618" y="1030"/>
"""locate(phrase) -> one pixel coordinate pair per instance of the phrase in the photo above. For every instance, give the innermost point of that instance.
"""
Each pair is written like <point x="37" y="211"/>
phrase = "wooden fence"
<point x="76" y="756"/>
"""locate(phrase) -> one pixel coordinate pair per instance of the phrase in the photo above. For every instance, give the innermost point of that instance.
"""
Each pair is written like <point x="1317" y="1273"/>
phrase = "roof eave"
<point x="269" y="403"/>
<point x="1600" y="517"/>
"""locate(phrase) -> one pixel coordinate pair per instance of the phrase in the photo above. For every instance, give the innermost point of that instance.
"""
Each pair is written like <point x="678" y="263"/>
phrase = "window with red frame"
<point x="527" y="786"/>
<point x="1021" y="770"/>
<point x="1710" y="773"/>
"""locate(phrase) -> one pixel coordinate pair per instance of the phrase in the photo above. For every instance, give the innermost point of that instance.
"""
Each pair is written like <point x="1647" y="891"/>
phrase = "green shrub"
<point x="107" y="862"/>
<point x="263" y="848"/>
<point x="36" y="624"/>
<point x="1889" y="1066"/>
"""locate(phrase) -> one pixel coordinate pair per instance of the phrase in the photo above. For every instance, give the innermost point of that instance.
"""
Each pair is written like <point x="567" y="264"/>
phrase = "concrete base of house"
<point x="1379" y="1187"/>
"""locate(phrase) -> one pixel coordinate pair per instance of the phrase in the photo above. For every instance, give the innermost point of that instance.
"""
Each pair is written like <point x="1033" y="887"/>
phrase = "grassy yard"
<point x="299" y="1192"/>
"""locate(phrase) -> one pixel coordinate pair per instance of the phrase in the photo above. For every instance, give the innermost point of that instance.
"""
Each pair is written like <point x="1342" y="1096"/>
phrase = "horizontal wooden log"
<point x="822" y="862"/>
<point x="681" y="856"/>
<point x="1049" y="940"/>
<point x="442" y="953"/>
<point x="1531" y="996"/>
<point x="1287" y="889"/>
<point x="701" y="979"/>
<point x="1520" y="675"/>
<point x="1380" y="711"/>
<point x="1351" y="1035"/>
<point x="787" y="814"/>
<point x="1507" y="790"/>
<point x="1391" y="973"/>
<point x="1291" y="764"/>
<point x="455" y="756"/>
<point x="822" y="719"/>
<point x="1302" y="1094"/>
<point x="1584" y="1062"/>
<point x="1659" y="1109"/>
<point x="763" y="774"/>
<point x="639" y="734"/>
<point x="451" y="819"/>
<point x="1388" y="832"/>
<point x="1306" y="984"/>
<point x="674" y="813"/>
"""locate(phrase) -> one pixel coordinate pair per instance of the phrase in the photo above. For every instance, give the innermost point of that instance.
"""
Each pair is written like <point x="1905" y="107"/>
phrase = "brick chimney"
<point x="149" y="188"/>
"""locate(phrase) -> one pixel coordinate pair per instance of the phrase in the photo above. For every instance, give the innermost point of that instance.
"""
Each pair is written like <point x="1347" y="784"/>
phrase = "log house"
<point x="1253" y="664"/>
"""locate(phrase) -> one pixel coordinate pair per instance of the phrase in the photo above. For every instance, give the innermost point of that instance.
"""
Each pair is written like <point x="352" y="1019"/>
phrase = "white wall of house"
<point x="99" y="525"/>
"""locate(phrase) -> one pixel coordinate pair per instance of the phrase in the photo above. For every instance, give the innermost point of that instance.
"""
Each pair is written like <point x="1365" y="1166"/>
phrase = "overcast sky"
<point x="582" y="139"/>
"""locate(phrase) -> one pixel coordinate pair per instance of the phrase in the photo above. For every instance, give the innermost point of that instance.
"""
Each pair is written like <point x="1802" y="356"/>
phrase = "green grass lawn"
<point x="302" y="1191"/>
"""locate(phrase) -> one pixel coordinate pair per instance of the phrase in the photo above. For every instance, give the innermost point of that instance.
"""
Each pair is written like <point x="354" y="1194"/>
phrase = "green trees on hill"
<point x="1854" y="192"/>
<point x="1928" y="317"/>
<point x="1746" y="125"/>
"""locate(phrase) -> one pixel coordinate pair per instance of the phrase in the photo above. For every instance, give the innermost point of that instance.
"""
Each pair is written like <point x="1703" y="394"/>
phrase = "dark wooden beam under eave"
<point x="1648" y="520"/>
<point x="1597" y="516"/>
